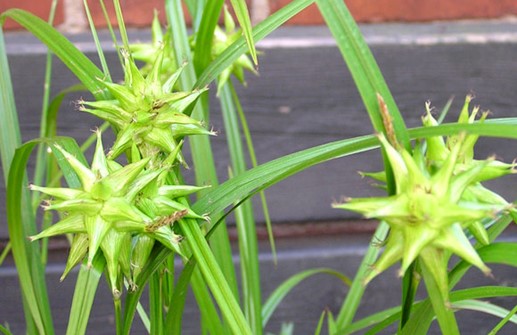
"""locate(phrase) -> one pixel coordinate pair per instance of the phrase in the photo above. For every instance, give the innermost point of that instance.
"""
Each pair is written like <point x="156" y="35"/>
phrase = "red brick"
<point x="39" y="8"/>
<point x="137" y="13"/>
<point x="409" y="10"/>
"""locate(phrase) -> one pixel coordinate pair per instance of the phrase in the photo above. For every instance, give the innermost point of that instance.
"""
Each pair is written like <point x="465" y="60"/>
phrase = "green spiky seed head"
<point x="438" y="196"/>
<point x="105" y="213"/>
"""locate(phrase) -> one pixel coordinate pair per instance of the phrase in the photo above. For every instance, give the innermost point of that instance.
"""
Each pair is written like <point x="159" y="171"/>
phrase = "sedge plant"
<point x="129" y="215"/>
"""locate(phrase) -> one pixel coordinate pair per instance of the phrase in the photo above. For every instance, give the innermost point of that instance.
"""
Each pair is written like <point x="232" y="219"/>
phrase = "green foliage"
<point x="131" y="221"/>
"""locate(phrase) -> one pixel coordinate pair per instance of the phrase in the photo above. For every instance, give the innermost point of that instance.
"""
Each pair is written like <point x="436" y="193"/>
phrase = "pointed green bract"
<point x="110" y="207"/>
<point x="438" y="195"/>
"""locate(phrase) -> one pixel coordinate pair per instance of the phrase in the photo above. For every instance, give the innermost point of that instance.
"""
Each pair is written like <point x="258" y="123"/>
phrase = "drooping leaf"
<point x="84" y="69"/>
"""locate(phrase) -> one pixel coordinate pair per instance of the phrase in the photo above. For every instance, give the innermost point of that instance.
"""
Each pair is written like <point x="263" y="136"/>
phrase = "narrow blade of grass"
<point x="156" y="304"/>
<point x="244" y="218"/>
<point x="504" y="321"/>
<point x="283" y="289"/>
<point x="214" y="278"/>
<point x="85" y="70"/>
<point x="10" y="137"/>
<point x="84" y="295"/>
<point x="201" y="151"/>
<point x="239" y="47"/>
<point x="362" y="65"/>
<point x="241" y="11"/>
<point x="205" y="34"/>
<point x="444" y="314"/>
<point x="485" y="307"/>
<point x="21" y="224"/>
<point x="254" y="163"/>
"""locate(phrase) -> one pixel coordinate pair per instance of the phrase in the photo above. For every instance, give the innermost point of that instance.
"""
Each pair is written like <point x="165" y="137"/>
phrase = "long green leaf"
<point x="423" y="312"/>
<point x="244" y="217"/>
<point x="239" y="47"/>
<point x="387" y="316"/>
<point x="362" y="65"/>
<point x="371" y="84"/>
<point x="202" y="157"/>
<point x="205" y="34"/>
<point x="504" y="321"/>
<point x="214" y="278"/>
<point x="241" y="11"/>
<point x="174" y="315"/>
<point x="283" y="289"/>
<point x="240" y="187"/>
<point x="85" y="70"/>
<point x="21" y="224"/>
<point x="10" y="137"/>
<point x="422" y="317"/>
<point x="253" y="159"/>
<point x="498" y="253"/>
<point x="485" y="307"/>
<point x="84" y="295"/>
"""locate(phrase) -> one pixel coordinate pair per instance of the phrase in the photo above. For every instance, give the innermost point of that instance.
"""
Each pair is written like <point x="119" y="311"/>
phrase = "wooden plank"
<point x="304" y="96"/>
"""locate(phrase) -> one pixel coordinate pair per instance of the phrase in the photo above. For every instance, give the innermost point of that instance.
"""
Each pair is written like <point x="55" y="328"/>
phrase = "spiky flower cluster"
<point x="120" y="211"/>
<point x="222" y="40"/>
<point x="148" y="52"/>
<point x="146" y="112"/>
<point x="438" y="196"/>
<point x="116" y="210"/>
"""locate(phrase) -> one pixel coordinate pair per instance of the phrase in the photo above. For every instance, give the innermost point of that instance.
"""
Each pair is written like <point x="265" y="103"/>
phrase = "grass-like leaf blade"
<point x="85" y="70"/>
<point x="241" y="11"/>
<point x="283" y="289"/>
<point x="239" y="47"/>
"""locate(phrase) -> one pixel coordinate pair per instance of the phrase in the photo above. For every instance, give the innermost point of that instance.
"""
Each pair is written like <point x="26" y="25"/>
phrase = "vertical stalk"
<point x="444" y="313"/>
<point x="118" y="316"/>
<point x="409" y="288"/>
<point x="156" y="303"/>
<point x="246" y="226"/>
<point x="353" y="298"/>
<point x="201" y="148"/>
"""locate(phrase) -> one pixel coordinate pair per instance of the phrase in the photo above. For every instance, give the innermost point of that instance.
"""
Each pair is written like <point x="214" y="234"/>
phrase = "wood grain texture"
<point x="304" y="96"/>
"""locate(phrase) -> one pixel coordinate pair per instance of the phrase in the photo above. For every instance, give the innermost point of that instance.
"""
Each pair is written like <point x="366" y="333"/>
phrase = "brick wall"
<point x="137" y="13"/>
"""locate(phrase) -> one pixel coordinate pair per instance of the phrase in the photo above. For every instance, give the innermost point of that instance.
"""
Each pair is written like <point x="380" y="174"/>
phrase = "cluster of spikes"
<point x="439" y="201"/>
<point x="120" y="211"/>
<point x="146" y="112"/>
<point x="221" y="40"/>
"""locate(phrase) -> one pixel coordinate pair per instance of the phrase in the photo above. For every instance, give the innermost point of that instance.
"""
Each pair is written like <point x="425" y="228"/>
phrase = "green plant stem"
<point x="444" y="313"/>
<point x="118" y="315"/>
<point x="100" y="53"/>
<point x="121" y="24"/>
<point x="200" y="147"/>
<point x="5" y="252"/>
<point x="156" y="303"/>
<point x="41" y="155"/>
<point x="214" y="278"/>
<point x="409" y="288"/>
<point x="246" y="226"/>
<point x="254" y="163"/>
<point x="504" y="321"/>
<point x="354" y="296"/>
